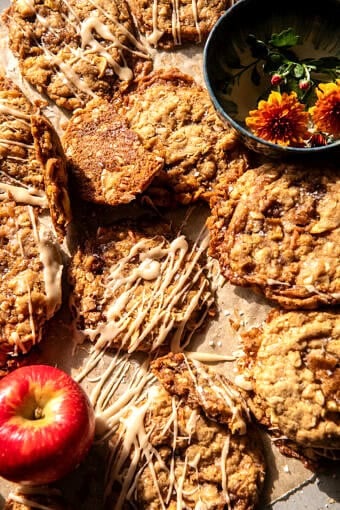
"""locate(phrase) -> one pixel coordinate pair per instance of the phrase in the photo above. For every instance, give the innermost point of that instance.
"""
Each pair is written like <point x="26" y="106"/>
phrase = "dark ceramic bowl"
<point x="317" y="24"/>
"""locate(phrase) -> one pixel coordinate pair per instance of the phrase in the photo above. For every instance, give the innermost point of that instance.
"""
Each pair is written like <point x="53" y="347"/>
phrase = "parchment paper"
<point x="83" y="489"/>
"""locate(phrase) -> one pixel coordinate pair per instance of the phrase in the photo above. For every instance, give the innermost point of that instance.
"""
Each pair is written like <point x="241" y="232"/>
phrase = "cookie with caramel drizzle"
<point x="169" y="450"/>
<point x="75" y="51"/>
<point x="140" y="288"/>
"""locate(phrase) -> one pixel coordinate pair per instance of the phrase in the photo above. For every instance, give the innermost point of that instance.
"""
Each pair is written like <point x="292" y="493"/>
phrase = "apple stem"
<point x="38" y="413"/>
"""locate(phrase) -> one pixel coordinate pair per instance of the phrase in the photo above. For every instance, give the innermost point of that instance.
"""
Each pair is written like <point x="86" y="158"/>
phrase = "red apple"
<point x="46" y="424"/>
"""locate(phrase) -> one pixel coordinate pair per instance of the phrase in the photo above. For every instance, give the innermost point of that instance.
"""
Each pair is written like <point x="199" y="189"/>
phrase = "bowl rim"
<point x="236" y="125"/>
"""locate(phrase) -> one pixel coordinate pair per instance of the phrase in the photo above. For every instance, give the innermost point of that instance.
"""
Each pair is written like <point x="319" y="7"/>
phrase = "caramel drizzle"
<point x="171" y="267"/>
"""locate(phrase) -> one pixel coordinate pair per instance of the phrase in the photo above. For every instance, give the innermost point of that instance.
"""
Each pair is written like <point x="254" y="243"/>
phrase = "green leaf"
<point x="285" y="39"/>
<point x="298" y="71"/>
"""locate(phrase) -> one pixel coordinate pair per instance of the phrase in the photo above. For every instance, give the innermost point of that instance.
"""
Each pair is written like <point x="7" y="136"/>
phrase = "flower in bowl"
<point x="273" y="72"/>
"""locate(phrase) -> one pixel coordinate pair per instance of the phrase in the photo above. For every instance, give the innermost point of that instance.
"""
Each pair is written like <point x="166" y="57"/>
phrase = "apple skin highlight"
<point x="47" y="425"/>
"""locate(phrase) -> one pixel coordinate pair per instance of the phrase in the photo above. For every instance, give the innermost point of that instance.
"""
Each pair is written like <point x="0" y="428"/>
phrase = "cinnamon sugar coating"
<point x="107" y="159"/>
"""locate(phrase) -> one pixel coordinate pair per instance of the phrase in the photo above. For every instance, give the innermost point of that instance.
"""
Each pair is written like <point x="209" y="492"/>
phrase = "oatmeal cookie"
<point x="107" y="159"/>
<point x="277" y="229"/>
<point x="168" y="24"/>
<point x="32" y="164"/>
<point x="291" y="365"/>
<point x="137" y="288"/>
<point x="33" y="185"/>
<point x="74" y="51"/>
<point x="174" y="118"/>
<point x="177" y="456"/>
<point x="30" y="286"/>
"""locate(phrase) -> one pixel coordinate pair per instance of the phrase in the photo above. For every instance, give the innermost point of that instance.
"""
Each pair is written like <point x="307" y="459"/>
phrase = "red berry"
<point x="304" y="84"/>
<point x="276" y="79"/>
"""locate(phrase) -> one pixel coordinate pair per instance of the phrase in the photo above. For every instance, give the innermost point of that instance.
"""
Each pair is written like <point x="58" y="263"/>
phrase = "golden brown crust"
<point x="174" y="118"/>
<point x="277" y="229"/>
<point x="73" y="51"/>
<point x="128" y="291"/>
<point x="292" y="363"/>
<point x="106" y="158"/>
<point x="169" y="24"/>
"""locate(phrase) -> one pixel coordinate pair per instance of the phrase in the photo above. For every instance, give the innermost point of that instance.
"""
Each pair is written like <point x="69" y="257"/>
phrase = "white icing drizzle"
<point x="222" y="391"/>
<point x="22" y="195"/>
<point x="7" y="143"/>
<point x="171" y="269"/>
<point x="14" y="113"/>
<point x="22" y="494"/>
<point x="175" y="22"/>
<point x="156" y="34"/>
<point x="122" y="397"/>
<point x="208" y="356"/>
<point x="52" y="271"/>
<point x="195" y="15"/>
<point x="224" y="456"/>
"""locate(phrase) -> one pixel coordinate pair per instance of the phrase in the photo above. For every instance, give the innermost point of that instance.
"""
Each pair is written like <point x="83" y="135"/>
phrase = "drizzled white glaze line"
<point x="8" y="143"/>
<point x="28" y="502"/>
<point x="136" y="43"/>
<point x="89" y="45"/>
<point x="14" y="112"/>
<point x="225" y="451"/>
<point x="52" y="271"/>
<point x="195" y="15"/>
<point x="22" y="195"/>
<point x="156" y="34"/>
<point x="175" y="22"/>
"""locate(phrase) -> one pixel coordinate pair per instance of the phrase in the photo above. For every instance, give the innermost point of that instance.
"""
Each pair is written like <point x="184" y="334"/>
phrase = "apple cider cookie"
<point x="170" y="451"/>
<point x="34" y="214"/>
<point x="74" y="51"/>
<point x="168" y="24"/>
<point x="137" y="288"/>
<point x="107" y="160"/>
<point x="291" y="371"/>
<point x="276" y="228"/>
<point x="174" y="118"/>
<point x="30" y="287"/>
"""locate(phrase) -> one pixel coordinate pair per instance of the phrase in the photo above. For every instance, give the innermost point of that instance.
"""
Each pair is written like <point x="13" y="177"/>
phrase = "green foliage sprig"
<point x="287" y="73"/>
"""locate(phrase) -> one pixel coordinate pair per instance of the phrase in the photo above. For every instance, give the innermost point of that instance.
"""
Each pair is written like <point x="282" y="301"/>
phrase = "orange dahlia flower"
<point x="326" y="111"/>
<point x="281" y="119"/>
